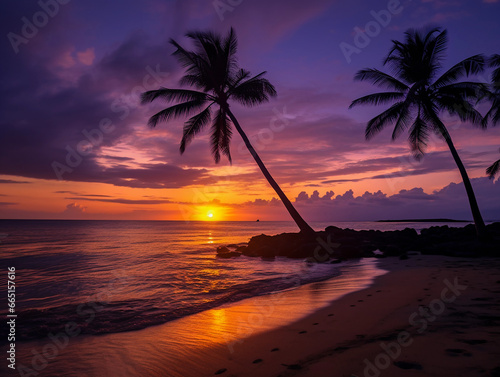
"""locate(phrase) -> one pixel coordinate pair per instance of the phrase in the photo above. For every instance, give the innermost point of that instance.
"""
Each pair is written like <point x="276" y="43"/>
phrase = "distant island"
<point x="424" y="221"/>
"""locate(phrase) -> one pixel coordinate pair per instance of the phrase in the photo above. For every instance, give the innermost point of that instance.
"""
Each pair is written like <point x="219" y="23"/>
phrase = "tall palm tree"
<point x="212" y="69"/>
<point x="417" y="97"/>
<point x="494" y="112"/>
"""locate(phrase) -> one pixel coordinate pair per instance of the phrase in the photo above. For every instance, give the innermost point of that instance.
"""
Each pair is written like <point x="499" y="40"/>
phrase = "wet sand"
<point x="428" y="316"/>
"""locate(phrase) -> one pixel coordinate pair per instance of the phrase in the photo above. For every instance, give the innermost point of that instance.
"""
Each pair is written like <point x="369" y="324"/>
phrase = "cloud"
<point x="449" y="202"/>
<point x="11" y="181"/>
<point x="86" y="57"/>
<point x="122" y="201"/>
<point x="73" y="209"/>
<point x="81" y="77"/>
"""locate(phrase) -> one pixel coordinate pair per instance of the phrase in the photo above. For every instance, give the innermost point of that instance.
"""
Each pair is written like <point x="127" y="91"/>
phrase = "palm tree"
<point x="418" y="96"/>
<point x="212" y="69"/>
<point x="494" y="112"/>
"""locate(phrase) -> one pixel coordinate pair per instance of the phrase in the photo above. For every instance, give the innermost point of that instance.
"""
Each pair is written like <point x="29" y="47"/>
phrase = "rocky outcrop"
<point x="336" y="244"/>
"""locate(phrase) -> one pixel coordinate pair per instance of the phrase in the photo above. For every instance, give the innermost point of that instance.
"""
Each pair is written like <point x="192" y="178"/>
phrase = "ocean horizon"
<point x="112" y="276"/>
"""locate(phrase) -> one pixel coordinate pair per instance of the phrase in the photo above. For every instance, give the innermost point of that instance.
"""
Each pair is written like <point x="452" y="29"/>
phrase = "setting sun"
<point x="210" y="214"/>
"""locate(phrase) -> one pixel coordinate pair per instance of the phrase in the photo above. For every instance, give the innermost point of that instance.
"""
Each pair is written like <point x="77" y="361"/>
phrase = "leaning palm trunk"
<point x="476" y="213"/>
<point x="303" y="226"/>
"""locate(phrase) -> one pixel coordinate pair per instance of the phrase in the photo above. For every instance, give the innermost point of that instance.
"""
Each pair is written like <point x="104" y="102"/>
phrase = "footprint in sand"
<point x="407" y="365"/>
<point x="353" y="305"/>
<point x="292" y="366"/>
<point x="302" y="332"/>
<point x="379" y="290"/>
<point x="473" y="342"/>
<point x="315" y="323"/>
<point x="360" y="300"/>
<point x="368" y="295"/>
<point x="330" y="315"/>
<point x="220" y="371"/>
<point x="457" y="352"/>
<point x="275" y="349"/>
<point x="256" y="361"/>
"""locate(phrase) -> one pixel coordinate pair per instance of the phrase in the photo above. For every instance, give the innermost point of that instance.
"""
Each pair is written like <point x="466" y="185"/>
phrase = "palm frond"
<point x="220" y="136"/>
<point x="470" y="66"/>
<point x="493" y="169"/>
<point x="494" y="62"/>
<point x="170" y="95"/>
<point x="464" y="89"/>
<point x="187" y="59"/>
<point x="253" y="91"/>
<point x="403" y="119"/>
<point x="225" y="140"/>
<point x="175" y="111"/>
<point x="435" y="47"/>
<point x="376" y="124"/>
<point x="419" y="57"/>
<point x="494" y="112"/>
<point x="377" y="98"/>
<point x="193" y="126"/>
<point x="418" y="137"/>
<point x="198" y="71"/>
<point x="193" y="80"/>
<point x="230" y="47"/>
<point x="238" y="77"/>
<point x="381" y="79"/>
<point x="462" y="108"/>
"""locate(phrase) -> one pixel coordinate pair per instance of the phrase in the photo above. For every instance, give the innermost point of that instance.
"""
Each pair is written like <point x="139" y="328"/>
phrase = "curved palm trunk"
<point x="476" y="214"/>
<point x="304" y="227"/>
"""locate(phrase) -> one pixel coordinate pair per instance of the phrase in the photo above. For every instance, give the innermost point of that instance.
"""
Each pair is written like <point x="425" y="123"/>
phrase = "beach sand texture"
<point x="358" y="334"/>
<point x="428" y="316"/>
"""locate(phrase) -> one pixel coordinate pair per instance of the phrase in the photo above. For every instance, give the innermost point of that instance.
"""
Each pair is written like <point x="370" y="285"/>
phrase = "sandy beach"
<point x="427" y="316"/>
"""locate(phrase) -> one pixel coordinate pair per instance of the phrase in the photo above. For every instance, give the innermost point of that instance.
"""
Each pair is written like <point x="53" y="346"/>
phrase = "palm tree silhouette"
<point x="494" y="112"/>
<point x="418" y="97"/>
<point x="212" y="69"/>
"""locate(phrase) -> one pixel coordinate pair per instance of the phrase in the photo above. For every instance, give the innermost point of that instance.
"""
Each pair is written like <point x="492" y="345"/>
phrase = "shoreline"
<point x="204" y="337"/>
<point x="339" y="339"/>
<point x="400" y="325"/>
<point x="343" y="338"/>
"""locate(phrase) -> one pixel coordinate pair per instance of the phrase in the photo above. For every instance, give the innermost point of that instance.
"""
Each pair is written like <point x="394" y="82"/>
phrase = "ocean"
<point x="117" y="276"/>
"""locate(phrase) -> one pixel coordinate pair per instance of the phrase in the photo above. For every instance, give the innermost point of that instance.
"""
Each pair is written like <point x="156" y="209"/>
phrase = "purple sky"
<point x="86" y="62"/>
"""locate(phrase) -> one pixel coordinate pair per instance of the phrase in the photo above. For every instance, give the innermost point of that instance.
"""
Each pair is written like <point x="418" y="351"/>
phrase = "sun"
<point x="210" y="215"/>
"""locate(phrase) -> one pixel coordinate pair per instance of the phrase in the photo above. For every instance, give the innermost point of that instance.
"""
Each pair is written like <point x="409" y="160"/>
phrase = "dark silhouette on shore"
<point x="334" y="244"/>
<point x="213" y="70"/>
<point x="418" y="96"/>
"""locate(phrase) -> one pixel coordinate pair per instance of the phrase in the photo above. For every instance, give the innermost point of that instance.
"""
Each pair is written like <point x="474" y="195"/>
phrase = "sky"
<point x="74" y="140"/>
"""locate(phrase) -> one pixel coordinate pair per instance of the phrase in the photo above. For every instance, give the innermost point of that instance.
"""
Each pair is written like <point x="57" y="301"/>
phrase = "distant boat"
<point x="258" y="220"/>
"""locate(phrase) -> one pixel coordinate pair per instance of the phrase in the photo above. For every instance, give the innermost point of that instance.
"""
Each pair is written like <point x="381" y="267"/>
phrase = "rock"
<point x="339" y="243"/>
<point x="230" y="254"/>
<point x="222" y="250"/>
